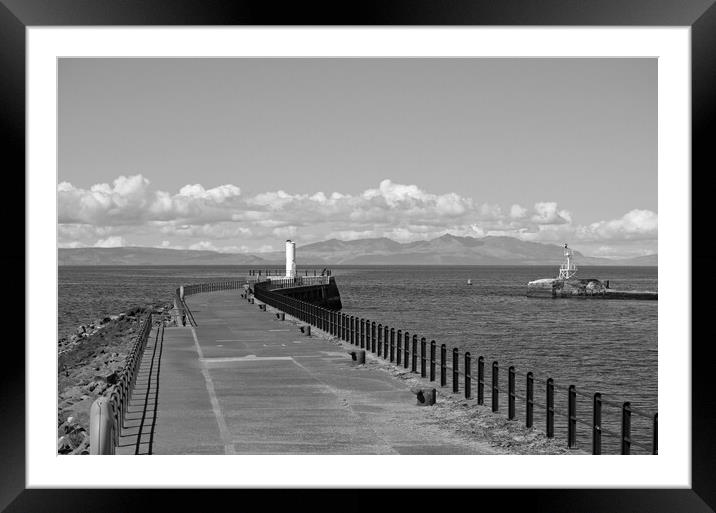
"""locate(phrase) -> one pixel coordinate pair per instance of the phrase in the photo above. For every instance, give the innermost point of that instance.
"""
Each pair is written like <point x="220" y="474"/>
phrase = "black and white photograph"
<point x="357" y="256"/>
<point x="412" y="247"/>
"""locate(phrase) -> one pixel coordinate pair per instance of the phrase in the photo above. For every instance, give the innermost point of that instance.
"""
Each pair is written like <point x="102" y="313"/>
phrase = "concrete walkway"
<point x="243" y="382"/>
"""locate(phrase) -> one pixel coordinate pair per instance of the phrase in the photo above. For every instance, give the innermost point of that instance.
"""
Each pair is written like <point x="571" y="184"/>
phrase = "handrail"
<point x="107" y="412"/>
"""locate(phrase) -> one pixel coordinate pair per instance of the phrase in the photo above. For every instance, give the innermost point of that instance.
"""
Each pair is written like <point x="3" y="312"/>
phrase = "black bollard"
<point x="468" y="376"/>
<point x="511" y="393"/>
<point x="399" y="350"/>
<point x="495" y="387"/>
<point x="407" y="349"/>
<point x="432" y="360"/>
<point x="422" y="358"/>
<point x="530" y="402"/>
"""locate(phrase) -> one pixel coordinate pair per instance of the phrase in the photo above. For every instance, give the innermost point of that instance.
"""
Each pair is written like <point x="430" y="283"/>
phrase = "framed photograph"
<point x="449" y="152"/>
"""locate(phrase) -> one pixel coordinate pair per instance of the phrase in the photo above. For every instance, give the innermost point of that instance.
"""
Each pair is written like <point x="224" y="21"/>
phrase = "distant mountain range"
<point x="445" y="250"/>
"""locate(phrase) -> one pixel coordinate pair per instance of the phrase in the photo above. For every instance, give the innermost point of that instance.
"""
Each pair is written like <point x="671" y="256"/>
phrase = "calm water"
<point x="599" y="346"/>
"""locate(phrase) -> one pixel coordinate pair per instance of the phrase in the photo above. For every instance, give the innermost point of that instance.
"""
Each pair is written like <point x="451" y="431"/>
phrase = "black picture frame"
<point x="17" y="15"/>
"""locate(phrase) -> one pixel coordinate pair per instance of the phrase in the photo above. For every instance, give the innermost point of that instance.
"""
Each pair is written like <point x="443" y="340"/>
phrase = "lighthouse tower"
<point x="290" y="259"/>
<point x="567" y="269"/>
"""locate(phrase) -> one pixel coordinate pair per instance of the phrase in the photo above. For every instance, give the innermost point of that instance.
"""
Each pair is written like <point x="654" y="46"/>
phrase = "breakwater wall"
<point x="631" y="430"/>
<point x="316" y="290"/>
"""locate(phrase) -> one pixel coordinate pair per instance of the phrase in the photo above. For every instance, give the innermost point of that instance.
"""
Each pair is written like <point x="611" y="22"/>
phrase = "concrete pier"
<point x="243" y="381"/>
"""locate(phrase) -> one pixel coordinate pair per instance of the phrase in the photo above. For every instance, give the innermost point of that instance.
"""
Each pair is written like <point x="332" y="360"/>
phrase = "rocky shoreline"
<point x="88" y="364"/>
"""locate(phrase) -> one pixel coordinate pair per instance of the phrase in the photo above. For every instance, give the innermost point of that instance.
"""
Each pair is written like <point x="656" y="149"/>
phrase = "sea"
<point x="605" y="346"/>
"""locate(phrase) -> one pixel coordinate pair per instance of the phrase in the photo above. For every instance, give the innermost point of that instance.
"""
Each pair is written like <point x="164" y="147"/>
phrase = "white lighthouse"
<point x="290" y="259"/>
<point x="567" y="269"/>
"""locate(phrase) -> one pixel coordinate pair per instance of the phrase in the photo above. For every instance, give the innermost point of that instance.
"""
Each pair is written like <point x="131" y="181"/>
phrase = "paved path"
<point x="243" y="382"/>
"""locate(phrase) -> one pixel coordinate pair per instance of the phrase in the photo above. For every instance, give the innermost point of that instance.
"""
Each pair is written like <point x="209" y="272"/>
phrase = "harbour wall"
<point x="325" y="295"/>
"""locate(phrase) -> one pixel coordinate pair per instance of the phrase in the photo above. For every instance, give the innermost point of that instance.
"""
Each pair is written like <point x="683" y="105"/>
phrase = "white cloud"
<point x="218" y="194"/>
<point x="635" y="224"/>
<point x="548" y="213"/>
<point x="111" y="242"/>
<point x="223" y="217"/>
<point x="518" y="212"/>
<point x="203" y="245"/>
<point x="128" y="200"/>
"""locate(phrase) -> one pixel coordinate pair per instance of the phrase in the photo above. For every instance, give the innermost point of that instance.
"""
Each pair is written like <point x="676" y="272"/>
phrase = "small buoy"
<point x="469" y="282"/>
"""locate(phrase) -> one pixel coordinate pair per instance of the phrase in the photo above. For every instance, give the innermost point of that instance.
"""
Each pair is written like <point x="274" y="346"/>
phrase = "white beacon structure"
<point x="290" y="259"/>
<point x="567" y="269"/>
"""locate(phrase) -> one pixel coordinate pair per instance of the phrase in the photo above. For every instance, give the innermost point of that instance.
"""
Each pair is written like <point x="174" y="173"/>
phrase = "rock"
<point x="110" y="378"/>
<point x="64" y="446"/>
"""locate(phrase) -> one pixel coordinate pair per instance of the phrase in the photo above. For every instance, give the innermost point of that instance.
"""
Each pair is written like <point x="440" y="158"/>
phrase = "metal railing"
<point x="298" y="281"/>
<point x="395" y="346"/>
<point x="107" y="412"/>
<point x="180" y="293"/>
<point x="282" y="272"/>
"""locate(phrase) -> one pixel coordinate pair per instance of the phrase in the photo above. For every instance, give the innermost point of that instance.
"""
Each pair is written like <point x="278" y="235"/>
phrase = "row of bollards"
<point x="401" y="347"/>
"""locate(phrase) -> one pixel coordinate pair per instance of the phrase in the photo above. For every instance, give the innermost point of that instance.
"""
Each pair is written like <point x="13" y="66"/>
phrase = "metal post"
<point x="392" y="344"/>
<point x="443" y="365"/>
<point x="530" y="402"/>
<point x="597" y="424"/>
<point x="423" y="369"/>
<point x="468" y="376"/>
<point x="352" y="330"/>
<point x="380" y="339"/>
<point x="406" y="346"/>
<point x="432" y="360"/>
<point x="372" y="337"/>
<point x="655" y="435"/>
<point x="362" y="333"/>
<point x="399" y="349"/>
<point x="626" y="428"/>
<point x="495" y="388"/>
<point x="481" y="380"/>
<point x="550" y="408"/>
<point x="572" y="417"/>
<point x="386" y="336"/>
<point x="101" y="427"/>
<point x="455" y="375"/>
<point x="511" y="393"/>
<point x="414" y="367"/>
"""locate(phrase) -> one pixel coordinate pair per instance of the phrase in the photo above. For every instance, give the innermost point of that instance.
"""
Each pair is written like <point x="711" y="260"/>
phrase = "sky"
<point x="237" y="155"/>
